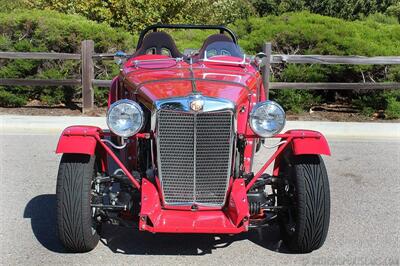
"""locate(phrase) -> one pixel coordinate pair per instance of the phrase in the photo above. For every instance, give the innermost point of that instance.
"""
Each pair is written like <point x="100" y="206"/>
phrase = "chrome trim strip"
<point x="137" y="62"/>
<point x="275" y="145"/>
<point x="243" y="62"/>
<point x="194" y="157"/>
<point x="113" y="145"/>
<point x="211" y="104"/>
<point x="183" y="104"/>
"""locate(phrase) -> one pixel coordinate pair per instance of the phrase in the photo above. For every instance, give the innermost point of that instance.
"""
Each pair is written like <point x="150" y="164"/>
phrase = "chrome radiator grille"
<point x="194" y="156"/>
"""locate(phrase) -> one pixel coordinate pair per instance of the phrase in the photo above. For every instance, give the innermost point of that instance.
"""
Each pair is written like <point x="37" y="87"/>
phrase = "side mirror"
<point x="120" y="57"/>
<point x="260" y="60"/>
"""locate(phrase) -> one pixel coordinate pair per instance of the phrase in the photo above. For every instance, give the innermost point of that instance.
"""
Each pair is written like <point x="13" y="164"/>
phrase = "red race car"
<point x="178" y="154"/>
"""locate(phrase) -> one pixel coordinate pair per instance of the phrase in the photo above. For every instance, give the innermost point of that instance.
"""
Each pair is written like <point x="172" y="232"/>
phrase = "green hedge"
<point x="43" y="31"/>
<point x="306" y="33"/>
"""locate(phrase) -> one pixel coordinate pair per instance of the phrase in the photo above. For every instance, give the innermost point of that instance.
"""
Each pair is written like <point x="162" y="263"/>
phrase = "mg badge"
<point x="197" y="104"/>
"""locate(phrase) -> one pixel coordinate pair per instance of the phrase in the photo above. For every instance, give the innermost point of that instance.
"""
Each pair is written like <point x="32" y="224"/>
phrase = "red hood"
<point x="227" y="82"/>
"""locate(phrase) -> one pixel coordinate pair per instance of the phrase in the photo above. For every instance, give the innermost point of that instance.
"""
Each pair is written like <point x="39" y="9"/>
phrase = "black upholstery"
<point x="211" y="39"/>
<point x="158" y="41"/>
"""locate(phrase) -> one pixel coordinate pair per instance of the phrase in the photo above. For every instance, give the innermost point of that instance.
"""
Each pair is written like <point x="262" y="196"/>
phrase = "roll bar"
<point x="154" y="28"/>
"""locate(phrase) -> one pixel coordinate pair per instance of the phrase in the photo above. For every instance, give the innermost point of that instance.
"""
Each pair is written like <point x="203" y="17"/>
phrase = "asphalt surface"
<point x="364" y="230"/>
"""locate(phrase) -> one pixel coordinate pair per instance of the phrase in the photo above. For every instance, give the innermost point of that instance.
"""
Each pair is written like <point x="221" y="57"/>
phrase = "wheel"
<point x="77" y="228"/>
<point x="304" y="223"/>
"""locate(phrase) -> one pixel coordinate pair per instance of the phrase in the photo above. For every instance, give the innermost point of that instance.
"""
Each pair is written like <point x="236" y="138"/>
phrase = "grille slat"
<point x="194" y="156"/>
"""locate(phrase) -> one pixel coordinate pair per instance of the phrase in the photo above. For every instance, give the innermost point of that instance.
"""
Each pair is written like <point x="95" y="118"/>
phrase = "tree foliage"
<point x="394" y="10"/>
<point x="346" y="9"/>
<point x="134" y="15"/>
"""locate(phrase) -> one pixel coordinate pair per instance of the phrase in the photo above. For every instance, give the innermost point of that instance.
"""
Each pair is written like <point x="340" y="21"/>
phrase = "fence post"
<point x="267" y="50"/>
<point x="87" y="75"/>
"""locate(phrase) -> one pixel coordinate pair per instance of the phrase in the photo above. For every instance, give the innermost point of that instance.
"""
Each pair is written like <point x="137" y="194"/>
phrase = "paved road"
<point x="365" y="218"/>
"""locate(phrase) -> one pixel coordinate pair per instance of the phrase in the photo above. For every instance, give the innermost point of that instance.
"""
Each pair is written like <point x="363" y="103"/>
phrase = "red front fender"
<point x="304" y="142"/>
<point x="308" y="142"/>
<point x="79" y="139"/>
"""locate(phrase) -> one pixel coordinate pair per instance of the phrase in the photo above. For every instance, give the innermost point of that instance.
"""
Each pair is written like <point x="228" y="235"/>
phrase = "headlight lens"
<point x="125" y="118"/>
<point x="267" y="119"/>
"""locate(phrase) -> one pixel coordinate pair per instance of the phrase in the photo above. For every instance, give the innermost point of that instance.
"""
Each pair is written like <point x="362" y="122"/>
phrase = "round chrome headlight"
<point x="125" y="118"/>
<point x="267" y="119"/>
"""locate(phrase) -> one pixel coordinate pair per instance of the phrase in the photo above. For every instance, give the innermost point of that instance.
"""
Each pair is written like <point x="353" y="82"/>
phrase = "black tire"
<point x="77" y="229"/>
<point x="304" y="226"/>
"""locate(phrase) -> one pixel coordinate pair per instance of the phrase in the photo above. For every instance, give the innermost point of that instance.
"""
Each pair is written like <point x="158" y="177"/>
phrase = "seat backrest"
<point x="212" y="39"/>
<point x="158" y="43"/>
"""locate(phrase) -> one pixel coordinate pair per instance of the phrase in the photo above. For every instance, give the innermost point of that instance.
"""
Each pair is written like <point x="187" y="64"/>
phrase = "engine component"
<point x="114" y="198"/>
<point x="257" y="197"/>
<point x="151" y="175"/>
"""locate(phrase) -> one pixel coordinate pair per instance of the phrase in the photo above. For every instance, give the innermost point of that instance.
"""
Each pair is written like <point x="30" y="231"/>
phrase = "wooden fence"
<point x="88" y="57"/>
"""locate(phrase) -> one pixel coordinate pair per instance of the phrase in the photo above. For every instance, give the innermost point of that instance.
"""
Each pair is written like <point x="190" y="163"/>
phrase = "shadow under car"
<point x="42" y="212"/>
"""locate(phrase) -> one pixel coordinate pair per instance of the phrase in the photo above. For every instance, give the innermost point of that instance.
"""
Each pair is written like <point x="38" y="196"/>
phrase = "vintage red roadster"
<point x="178" y="154"/>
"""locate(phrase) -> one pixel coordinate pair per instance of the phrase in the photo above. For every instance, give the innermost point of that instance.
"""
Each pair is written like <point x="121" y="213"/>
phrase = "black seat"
<point x="158" y="43"/>
<point x="212" y="39"/>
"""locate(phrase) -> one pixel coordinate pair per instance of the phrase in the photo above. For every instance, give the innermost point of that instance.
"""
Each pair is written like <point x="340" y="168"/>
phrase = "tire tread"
<point x="313" y="204"/>
<point x="73" y="203"/>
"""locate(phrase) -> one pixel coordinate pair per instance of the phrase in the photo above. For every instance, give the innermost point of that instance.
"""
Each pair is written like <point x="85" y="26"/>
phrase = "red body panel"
<point x="238" y="207"/>
<point x="303" y="142"/>
<point x="78" y="139"/>
<point x="234" y="83"/>
<point x="179" y="88"/>
<point x="155" y="219"/>
<point x="113" y="93"/>
<point x="312" y="142"/>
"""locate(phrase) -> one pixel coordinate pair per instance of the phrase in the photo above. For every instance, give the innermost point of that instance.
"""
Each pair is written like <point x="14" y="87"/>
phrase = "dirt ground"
<point x="336" y="116"/>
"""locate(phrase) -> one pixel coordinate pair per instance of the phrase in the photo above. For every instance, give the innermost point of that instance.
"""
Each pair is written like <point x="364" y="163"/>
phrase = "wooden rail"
<point x="40" y="82"/>
<point x="334" y="59"/>
<point x="88" y="56"/>
<point x="87" y="75"/>
<point x="335" y="86"/>
<point x="20" y="55"/>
